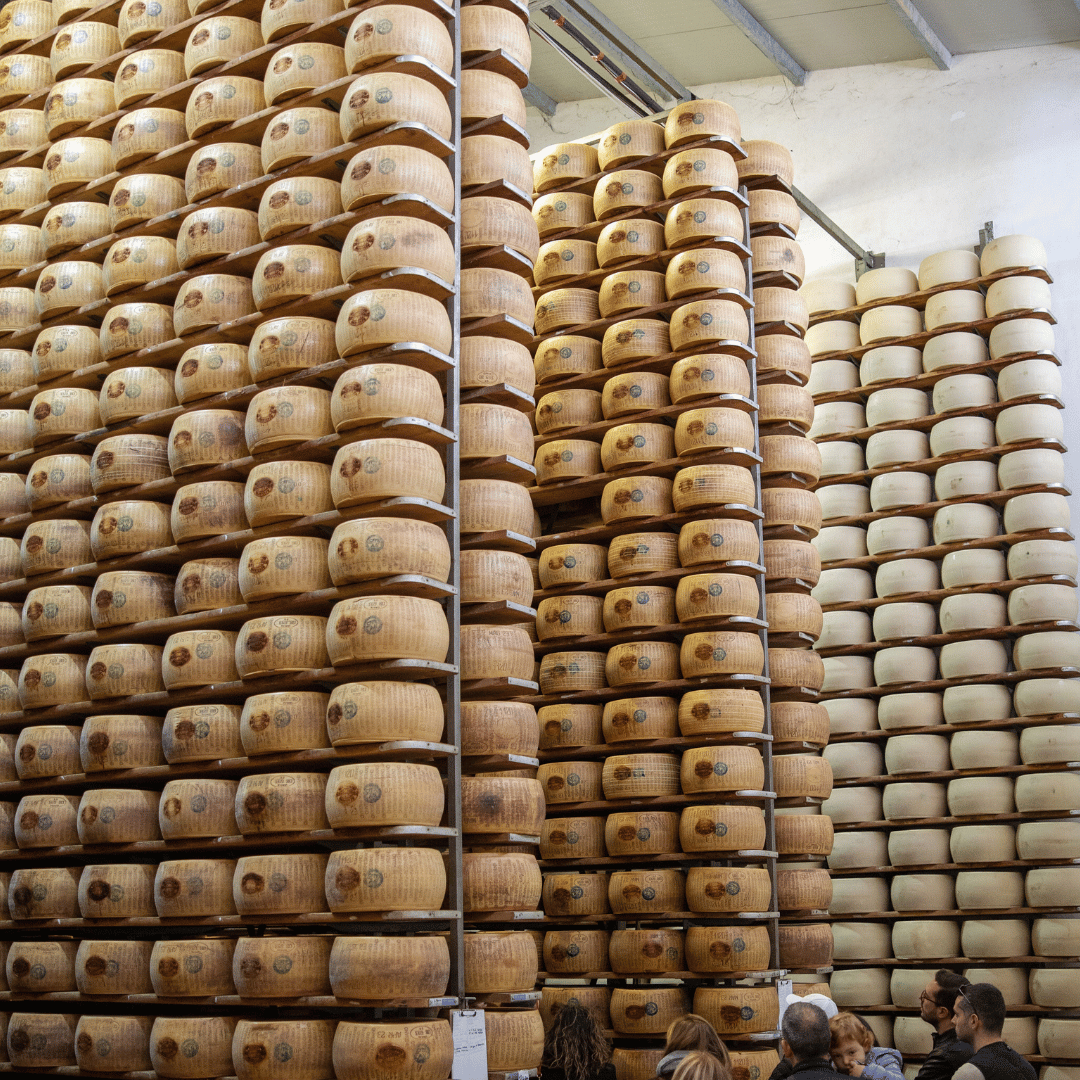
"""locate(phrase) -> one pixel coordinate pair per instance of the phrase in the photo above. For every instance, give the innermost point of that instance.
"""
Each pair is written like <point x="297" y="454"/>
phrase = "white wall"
<point x="910" y="160"/>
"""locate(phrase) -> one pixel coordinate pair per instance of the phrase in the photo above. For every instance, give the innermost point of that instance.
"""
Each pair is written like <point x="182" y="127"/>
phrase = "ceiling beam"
<point x="923" y="33"/>
<point x="624" y="49"/>
<point x="535" y="96"/>
<point x="793" y="71"/>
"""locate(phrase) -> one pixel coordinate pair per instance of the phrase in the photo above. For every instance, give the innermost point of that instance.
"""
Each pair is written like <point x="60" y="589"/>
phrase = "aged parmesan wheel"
<point x="392" y="794"/>
<point x="193" y="887"/>
<point x="41" y="893"/>
<point x="120" y="742"/>
<point x="280" y="802"/>
<point x="645" y="891"/>
<point x="562" y="672"/>
<point x="570" y="951"/>
<point x="717" y="711"/>
<point x="41" y="1040"/>
<point x="202" y="733"/>
<point x="207" y="509"/>
<point x="509" y="881"/>
<point x="372" y="712"/>
<point x="570" y="725"/>
<point x="295" y="884"/>
<point x="123" y="597"/>
<point x="211" y="1035"/>
<point x="571" y="781"/>
<point x="192" y="968"/>
<point x="376" y="968"/>
<point x="121" y="1041"/>
<point x="118" y="816"/>
<point x="198" y="658"/>
<point x="281" y="566"/>
<point x="362" y="1050"/>
<point x="382" y="879"/>
<point x="576" y="894"/>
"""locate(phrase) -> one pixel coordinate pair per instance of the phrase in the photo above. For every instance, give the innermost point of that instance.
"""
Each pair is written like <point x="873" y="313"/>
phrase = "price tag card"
<point x="470" y="1044"/>
<point x="783" y="988"/>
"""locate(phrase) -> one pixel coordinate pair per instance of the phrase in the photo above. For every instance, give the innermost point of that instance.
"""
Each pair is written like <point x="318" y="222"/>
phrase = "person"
<point x="854" y="1053"/>
<point x="691" y="1033"/>
<point x="575" y="1048"/>
<point x="806" y="1042"/>
<point x="701" y="1065"/>
<point x="783" y="1068"/>
<point x="980" y="1016"/>
<point x="936" y="1005"/>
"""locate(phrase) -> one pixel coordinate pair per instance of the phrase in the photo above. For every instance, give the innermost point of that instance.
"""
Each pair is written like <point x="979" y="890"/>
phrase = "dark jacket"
<point x="667" y="1065"/>
<point x="819" y="1069"/>
<point x="948" y="1055"/>
<point x="883" y="1063"/>
<point x="998" y="1061"/>
<point x="549" y="1073"/>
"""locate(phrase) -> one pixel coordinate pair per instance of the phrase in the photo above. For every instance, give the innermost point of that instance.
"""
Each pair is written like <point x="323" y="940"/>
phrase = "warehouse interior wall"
<point x="910" y="160"/>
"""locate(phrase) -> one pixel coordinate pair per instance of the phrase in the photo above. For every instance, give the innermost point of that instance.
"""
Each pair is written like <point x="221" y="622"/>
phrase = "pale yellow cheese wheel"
<point x="931" y="939"/>
<point x="972" y="566"/>
<point x="858" y="988"/>
<point x="888" y="322"/>
<point x="829" y="294"/>
<point x="962" y="478"/>
<point x="902" y="576"/>
<point x="889" y="363"/>
<point x="862" y="940"/>
<point x="995" y="937"/>
<point x="1048" y="840"/>
<point x="982" y="844"/>
<point x="852" y="714"/>
<point x="839" y="457"/>
<point x="978" y="703"/>
<point x="959" y="433"/>
<point x="833" y="336"/>
<point x="917" y="753"/>
<point x="1029" y="377"/>
<point x="895" y="490"/>
<point x="984" y="749"/>
<point x="859" y="895"/>
<point x="855" y="849"/>
<point x="1015" y="295"/>
<point x="955" y="348"/>
<point x="919" y="847"/>
<point x="1011" y="252"/>
<point x="954" y="307"/>
<point x="848" y="673"/>
<point x="1040" y="697"/>
<point x="1014" y="337"/>
<point x="922" y="892"/>
<point x="1026" y="513"/>
<point x="1054" y="937"/>
<point x="899" y="533"/>
<point x="946" y="267"/>
<point x="854" y="804"/>
<point x="980" y="795"/>
<point x="960" y="658"/>
<point x="843" y="500"/>
<point x="896" y="446"/>
<point x="978" y="611"/>
<point x="903" y="801"/>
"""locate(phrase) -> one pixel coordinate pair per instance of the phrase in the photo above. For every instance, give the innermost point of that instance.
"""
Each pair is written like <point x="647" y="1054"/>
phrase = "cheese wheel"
<point x="1017" y="337"/>
<point x="828" y="294"/>
<point x="862" y="941"/>
<point x="896" y="447"/>
<point x="1029" y="377"/>
<point x="885" y="283"/>
<point x="964" y="478"/>
<point x="930" y="939"/>
<point x="919" y="847"/>
<point x="1040" y="697"/>
<point x="890" y="363"/>
<point x="857" y="849"/>
<point x="1053" y="937"/>
<point x="972" y="566"/>
<point x="851" y="714"/>
<point x="965" y="521"/>
<point x="841" y="585"/>
<point x="1020" y="423"/>
<point x="888" y="322"/>
<point x="892" y="491"/>
<point x="1047" y="840"/>
<point x="917" y="753"/>
<point x="831" y="377"/>
<point x="1042" y="603"/>
<point x="995" y="937"/>
<point x="954" y="307"/>
<point x="1027" y="513"/>
<point x="954" y="348"/>
<point x="1015" y="295"/>
<point x="976" y="704"/>
<point x="982" y="844"/>
<point x="853" y="804"/>
<point x="980" y="795"/>
<point x="984" y="749"/>
<point x="947" y="267"/>
<point x="902" y="802"/>
<point x="844" y="500"/>
<point x="980" y="611"/>
<point x="858" y="895"/>
<point x="838" y="458"/>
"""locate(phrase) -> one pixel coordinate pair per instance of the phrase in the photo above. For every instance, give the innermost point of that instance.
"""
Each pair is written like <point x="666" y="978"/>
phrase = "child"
<point x="854" y="1053"/>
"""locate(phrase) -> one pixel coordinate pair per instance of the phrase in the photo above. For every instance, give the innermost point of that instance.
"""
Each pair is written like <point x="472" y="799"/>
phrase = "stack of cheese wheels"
<point x="647" y="598"/>
<point x="501" y="873"/>
<point x="950" y="631"/>
<point x="206" y="318"/>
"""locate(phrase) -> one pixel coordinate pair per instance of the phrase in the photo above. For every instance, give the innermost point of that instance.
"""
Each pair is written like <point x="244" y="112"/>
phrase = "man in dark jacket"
<point x="936" y="1005"/>
<point x="806" y="1041"/>
<point x="980" y="1016"/>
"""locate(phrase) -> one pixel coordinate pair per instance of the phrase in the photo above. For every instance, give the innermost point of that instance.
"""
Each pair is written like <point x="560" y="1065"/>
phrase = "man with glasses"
<point x="936" y="1009"/>
<point x="980" y="1016"/>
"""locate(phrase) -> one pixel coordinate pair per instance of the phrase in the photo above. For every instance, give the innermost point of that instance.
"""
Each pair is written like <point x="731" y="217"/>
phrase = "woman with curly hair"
<point x="575" y="1048"/>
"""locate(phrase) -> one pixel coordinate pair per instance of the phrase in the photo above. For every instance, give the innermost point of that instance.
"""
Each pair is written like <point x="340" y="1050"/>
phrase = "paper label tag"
<point x="783" y="988"/>
<point x="470" y="1044"/>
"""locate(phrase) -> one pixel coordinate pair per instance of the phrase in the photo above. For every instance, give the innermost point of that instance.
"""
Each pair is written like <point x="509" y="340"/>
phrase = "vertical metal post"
<point x="766" y="690"/>
<point x="453" y="535"/>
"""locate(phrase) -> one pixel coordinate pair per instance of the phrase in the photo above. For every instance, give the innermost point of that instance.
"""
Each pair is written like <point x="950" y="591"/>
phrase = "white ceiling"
<point x="697" y="43"/>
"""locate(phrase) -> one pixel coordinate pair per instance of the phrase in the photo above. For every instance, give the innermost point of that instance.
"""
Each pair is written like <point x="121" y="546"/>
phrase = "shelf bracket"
<point x="864" y="259"/>
<point x="986" y="234"/>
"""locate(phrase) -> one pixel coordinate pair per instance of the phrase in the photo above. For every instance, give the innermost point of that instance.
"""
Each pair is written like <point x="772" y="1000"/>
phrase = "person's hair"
<point x="576" y="1044"/>
<point x="806" y="1030"/>
<point x="701" y="1065"/>
<point x="694" y="1032"/>
<point x="846" y="1025"/>
<point x="948" y="983"/>
<point x="986" y="1002"/>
